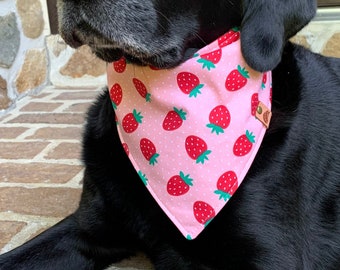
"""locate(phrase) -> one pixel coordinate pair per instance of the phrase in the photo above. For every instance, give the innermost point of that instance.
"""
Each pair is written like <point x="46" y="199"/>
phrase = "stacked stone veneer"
<point x="31" y="58"/>
<point x="23" y="61"/>
<point x="321" y="36"/>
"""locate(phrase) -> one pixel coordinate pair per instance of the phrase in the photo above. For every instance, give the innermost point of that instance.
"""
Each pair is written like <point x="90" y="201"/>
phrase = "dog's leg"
<point x="63" y="246"/>
<point x="68" y="246"/>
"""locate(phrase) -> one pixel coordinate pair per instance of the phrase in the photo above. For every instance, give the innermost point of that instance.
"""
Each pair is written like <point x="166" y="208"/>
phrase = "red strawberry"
<point x="174" y="119"/>
<point x="226" y="185"/>
<point x="140" y="87"/>
<point x="126" y="148"/>
<point x="179" y="184"/>
<point x="236" y="79"/>
<point x="154" y="68"/>
<point x="148" y="150"/>
<point x="228" y="38"/>
<point x="243" y="144"/>
<point x="197" y="148"/>
<point x="203" y="212"/>
<point x="120" y="65"/>
<point x="189" y="83"/>
<point x="209" y="60"/>
<point x="219" y="119"/>
<point x="131" y="121"/>
<point x="116" y="95"/>
<point x="264" y="80"/>
<point x="254" y="103"/>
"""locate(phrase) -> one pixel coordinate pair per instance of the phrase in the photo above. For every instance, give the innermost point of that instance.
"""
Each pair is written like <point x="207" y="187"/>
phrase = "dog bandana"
<point x="192" y="132"/>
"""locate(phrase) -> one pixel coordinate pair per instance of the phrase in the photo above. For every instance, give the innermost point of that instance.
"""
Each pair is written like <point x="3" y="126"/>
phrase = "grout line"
<point x="9" y="117"/>
<point x="34" y="224"/>
<point x="22" y="236"/>
<point x="12" y="216"/>
<point x="44" y="152"/>
<point x="69" y="184"/>
<point x="40" y="125"/>
<point x="48" y="161"/>
<point x="66" y="105"/>
<point x="13" y="140"/>
<point x="29" y="132"/>
<point x="76" y="181"/>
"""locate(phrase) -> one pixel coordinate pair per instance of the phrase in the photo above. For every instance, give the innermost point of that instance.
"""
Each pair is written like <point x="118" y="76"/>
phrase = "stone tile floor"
<point x="40" y="167"/>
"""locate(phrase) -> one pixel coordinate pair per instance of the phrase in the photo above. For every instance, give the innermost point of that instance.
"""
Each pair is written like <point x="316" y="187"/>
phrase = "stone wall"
<point x="31" y="58"/>
<point x="322" y="35"/>
<point x="23" y="56"/>
<point x="73" y="68"/>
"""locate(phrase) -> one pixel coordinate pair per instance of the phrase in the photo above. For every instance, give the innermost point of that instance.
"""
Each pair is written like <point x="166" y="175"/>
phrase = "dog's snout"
<point x="131" y="28"/>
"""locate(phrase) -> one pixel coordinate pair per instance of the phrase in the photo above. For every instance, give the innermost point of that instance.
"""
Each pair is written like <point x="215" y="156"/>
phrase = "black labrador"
<point x="286" y="213"/>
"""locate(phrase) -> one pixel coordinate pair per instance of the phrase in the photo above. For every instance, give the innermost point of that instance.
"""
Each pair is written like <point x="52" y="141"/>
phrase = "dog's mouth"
<point x="162" y="34"/>
<point x="110" y="51"/>
<point x="102" y="47"/>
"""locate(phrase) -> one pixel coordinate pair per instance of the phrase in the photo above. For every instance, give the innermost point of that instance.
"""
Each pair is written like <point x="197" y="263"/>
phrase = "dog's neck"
<point x="192" y="132"/>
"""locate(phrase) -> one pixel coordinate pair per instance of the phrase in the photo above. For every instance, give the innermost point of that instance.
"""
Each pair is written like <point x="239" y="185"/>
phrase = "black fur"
<point x="286" y="213"/>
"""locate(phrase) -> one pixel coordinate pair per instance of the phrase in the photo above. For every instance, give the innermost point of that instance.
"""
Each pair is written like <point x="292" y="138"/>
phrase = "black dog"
<point x="286" y="213"/>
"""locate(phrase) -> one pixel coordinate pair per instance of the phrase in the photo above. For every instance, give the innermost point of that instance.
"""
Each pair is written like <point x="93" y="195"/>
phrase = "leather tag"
<point x="263" y="114"/>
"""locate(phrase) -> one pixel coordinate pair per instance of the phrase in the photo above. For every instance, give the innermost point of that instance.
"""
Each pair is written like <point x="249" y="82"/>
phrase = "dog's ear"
<point x="267" y="25"/>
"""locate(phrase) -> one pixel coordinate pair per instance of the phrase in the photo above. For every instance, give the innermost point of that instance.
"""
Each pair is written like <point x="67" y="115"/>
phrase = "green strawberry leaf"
<point x="243" y="72"/>
<point x="143" y="177"/>
<point x="208" y="221"/>
<point x="148" y="97"/>
<point x="206" y="63"/>
<point x="138" y="117"/>
<point x="186" y="178"/>
<point x="202" y="157"/>
<point x="114" y="105"/>
<point x="181" y="113"/>
<point x="223" y="195"/>
<point x="153" y="159"/>
<point x="215" y="128"/>
<point x="194" y="92"/>
<point x="250" y="136"/>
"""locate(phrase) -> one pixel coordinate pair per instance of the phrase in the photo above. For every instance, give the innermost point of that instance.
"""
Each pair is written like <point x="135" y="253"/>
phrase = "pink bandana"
<point x="192" y="132"/>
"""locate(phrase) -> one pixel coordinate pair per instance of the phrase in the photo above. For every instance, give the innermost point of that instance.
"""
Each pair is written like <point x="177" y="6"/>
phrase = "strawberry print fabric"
<point x="191" y="132"/>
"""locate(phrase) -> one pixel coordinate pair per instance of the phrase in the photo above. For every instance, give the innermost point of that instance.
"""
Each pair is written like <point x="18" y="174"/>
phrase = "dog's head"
<point x="159" y="32"/>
